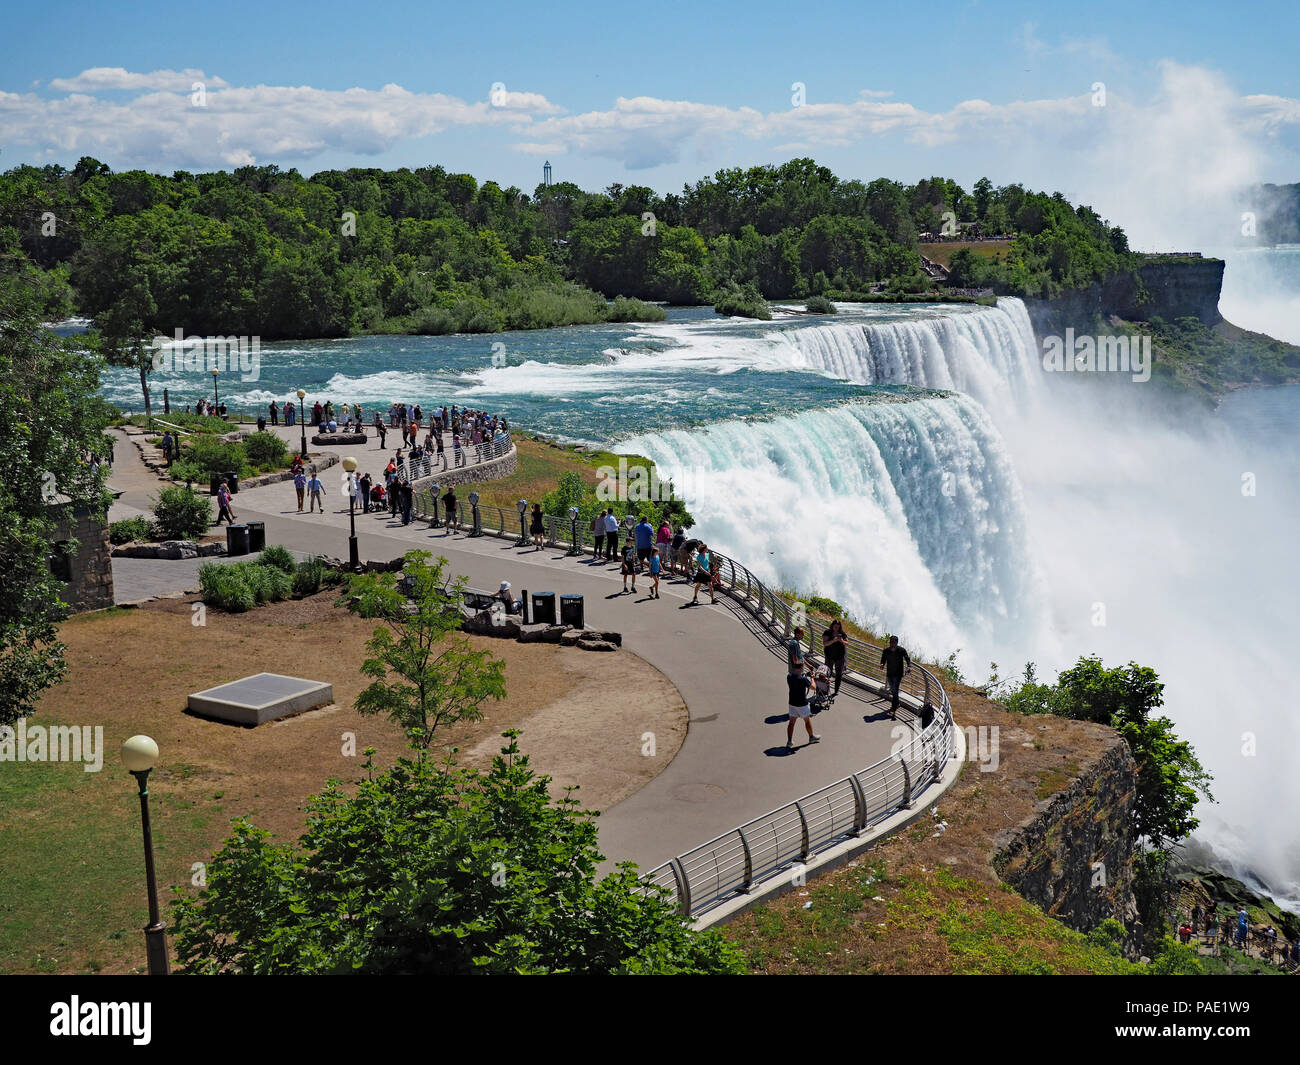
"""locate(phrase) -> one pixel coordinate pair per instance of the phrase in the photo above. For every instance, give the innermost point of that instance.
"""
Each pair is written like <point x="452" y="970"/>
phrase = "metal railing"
<point x="738" y="860"/>
<point x="430" y="464"/>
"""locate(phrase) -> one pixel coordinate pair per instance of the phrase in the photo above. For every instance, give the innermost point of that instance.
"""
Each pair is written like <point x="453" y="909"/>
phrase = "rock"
<point x="554" y="633"/>
<point x="616" y="638"/>
<point x="532" y="633"/>
<point x="178" y="549"/>
<point x="570" y="638"/>
<point x="210" y="549"/>
<point x="596" y="645"/>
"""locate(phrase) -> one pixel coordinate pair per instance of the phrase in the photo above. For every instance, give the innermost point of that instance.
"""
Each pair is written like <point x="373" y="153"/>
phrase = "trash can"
<point x="236" y="540"/>
<point x="571" y="611"/>
<point x="543" y="608"/>
<point x="232" y="481"/>
<point x="256" y="536"/>
<point x="214" y="482"/>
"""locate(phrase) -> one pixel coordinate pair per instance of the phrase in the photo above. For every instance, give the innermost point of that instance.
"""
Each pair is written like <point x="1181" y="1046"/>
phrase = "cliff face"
<point x="1165" y="288"/>
<point x="1073" y="857"/>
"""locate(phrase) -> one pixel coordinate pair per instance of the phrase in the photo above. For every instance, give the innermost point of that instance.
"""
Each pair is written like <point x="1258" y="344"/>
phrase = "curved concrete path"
<point x="733" y="765"/>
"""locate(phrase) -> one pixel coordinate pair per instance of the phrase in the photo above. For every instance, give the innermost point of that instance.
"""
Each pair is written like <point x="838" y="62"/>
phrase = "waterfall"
<point x="989" y="352"/>
<point x="907" y="511"/>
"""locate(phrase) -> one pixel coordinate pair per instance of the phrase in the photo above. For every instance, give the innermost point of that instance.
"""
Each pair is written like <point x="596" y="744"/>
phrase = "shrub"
<point x="821" y="605"/>
<point x="223" y="586"/>
<point x="208" y="455"/>
<point x="742" y="302"/>
<point x="180" y="513"/>
<point x="266" y="451"/>
<point x="820" y="305"/>
<point x="123" y="532"/>
<point x="308" y="577"/>
<point x="624" y="309"/>
<point x="268" y="584"/>
<point x="279" y="557"/>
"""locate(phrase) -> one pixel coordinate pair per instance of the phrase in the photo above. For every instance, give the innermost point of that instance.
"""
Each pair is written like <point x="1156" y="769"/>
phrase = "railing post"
<point x="907" y="785"/>
<point x="859" y="806"/>
<point x="683" y="886"/>
<point x="749" y="861"/>
<point x="804" y="848"/>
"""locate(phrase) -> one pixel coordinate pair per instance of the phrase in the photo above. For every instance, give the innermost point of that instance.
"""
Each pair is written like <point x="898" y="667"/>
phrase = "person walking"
<point x="597" y="535"/>
<point x="896" y="662"/>
<point x="794" y="656"/>
<point x="675" y="549"/>
<point x="452" y="510"/>
<point x="223" y="504"/>
<point x="654" y="573"/>
<point x="367" y="482"/>
<point x="300" y="486"/>
<point x="835" y="649"/>
<point x="628" y="569"/>
<point x="383" y="433"/>
<point x="275" y="412"/>
<point x="645" y="541"/>
<point x="611" y="535"/>
<point x="538" y="528"/>
<point x="408" y="502"/>
<point x="167" y="447"/>
<point x="799" y="686"/>
<point x="316" y="493"/>
<point x="703" y="573"/>
<point x="441" y="450"/>
<point x="663" y="537"/>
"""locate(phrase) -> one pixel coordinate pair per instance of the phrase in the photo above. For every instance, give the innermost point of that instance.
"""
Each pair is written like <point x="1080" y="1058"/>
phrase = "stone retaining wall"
<point x="473" y="474"/>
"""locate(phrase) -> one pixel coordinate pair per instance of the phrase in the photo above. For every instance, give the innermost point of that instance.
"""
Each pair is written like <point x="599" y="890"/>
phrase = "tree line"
<point x="262" y="251"/>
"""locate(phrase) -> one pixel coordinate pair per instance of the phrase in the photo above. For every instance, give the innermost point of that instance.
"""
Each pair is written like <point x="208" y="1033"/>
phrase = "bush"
<point x="223" y="586"/>
<point x="821" y="605"/>
<point x="202" y="456"/>
<point x="624" y="309"/>
<point x="309" y="576"/>
<point x="279" y="557"/>
<point x="123" y="532"/>
<point x="180" y="513"/>
<point x="268" y="584"/>
<point x="742" y="302"/>
<point x="820" y="305"/>
<point x="266" y="451"/>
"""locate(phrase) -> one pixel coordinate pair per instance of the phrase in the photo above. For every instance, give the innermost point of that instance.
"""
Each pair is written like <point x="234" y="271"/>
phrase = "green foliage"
<point x="180" y="513"/>
<point x="1109" y="936"/>
<point x="623" y="309"/>
<point x="819" y="604"/>
<point x="1176" y="959"/>
<point x="279" y="557"/>
<point x="308" y="576"/>
<point x="742" y="301"/>
<point x="240" y="586"/>
<point x="202" y="456"/>
<point x="422" y="677"/>
<point x="51" y="415"/>
<point x="434" y="869"/>
<point x="266" y="451"/>
<point x="128" y="529"/>
<point x="820" y="305"/>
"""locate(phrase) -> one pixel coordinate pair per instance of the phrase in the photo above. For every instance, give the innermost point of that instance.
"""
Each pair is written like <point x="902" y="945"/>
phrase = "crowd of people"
<point x="1208" y="929"/>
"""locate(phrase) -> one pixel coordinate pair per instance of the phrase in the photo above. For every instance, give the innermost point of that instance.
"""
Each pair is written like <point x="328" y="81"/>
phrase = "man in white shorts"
<point x="799" y="685"/>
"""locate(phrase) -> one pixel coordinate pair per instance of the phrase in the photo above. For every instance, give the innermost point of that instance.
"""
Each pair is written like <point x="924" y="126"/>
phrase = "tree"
<point x="423" y="677"/>
<point x="435" y="869"/>
<point x="53" y="418"/>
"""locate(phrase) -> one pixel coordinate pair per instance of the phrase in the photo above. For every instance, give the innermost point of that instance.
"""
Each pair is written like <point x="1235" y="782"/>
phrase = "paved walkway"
<point x="733" y="765"/>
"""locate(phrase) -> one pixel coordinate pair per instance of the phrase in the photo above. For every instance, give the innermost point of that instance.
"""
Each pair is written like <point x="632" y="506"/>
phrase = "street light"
<point x="354" y="560"/>
<point x="216" y="399"/>
<point x="573" y="520"/>
<point x="302" y="420"/>
<point x="522" y="506"/>
<point x="139" y="754"/>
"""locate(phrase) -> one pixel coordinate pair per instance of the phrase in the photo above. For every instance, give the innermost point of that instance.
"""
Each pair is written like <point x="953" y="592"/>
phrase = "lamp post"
<point x="302" y="421"/>
<point x="354" y="559"/>
<point x="476" y="519"/>
<point x="139" y="755"/>
<point x="522" y="506"/>
<point x="573" y="521"/>
<point x="216" y="399"/>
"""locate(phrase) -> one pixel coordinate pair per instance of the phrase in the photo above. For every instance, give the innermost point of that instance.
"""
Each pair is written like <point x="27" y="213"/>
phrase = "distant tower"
<point x="546" y="174"/>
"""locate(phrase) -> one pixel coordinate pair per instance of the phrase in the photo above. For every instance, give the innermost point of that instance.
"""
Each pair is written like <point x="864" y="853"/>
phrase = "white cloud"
<point x="101" y="79"/>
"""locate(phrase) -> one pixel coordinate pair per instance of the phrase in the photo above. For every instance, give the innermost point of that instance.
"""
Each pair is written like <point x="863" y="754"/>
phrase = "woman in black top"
<point x="538" y="527"/>
<point x="453" y="513"/>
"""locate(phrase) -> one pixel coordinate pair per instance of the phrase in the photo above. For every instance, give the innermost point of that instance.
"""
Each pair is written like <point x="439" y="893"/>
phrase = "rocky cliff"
<point x="1073" y="857"/>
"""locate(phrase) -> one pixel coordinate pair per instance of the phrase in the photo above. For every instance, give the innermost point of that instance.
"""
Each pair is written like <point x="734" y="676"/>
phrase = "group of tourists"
<point x="810" y="686"/>
<point x="210" y="410"/>
<point x="1204" y="927"/>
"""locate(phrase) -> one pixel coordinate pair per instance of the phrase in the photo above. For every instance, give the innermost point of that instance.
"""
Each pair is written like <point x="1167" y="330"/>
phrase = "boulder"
<point x="616" y="638"/>
<point x="213" y="548"/>
<point x="570" y="638"/>
<point x="532" y="633"/>
<point x="178" y="549"/>
<point x="596" y="645"/>
<point x="339" y="438"/>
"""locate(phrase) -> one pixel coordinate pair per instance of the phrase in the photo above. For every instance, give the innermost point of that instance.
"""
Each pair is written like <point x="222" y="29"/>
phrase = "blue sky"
<point x="1003" y="89"/>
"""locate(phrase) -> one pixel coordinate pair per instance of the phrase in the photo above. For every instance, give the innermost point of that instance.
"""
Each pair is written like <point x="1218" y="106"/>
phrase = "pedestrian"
<point x="611" y="535"/>
<point x="300" y="486"/>
<point x="663" y="537"/>
<point x="675" y="548"/>
<point x="685" y="556"/>
<point x="835" y="649"/>
<point x="408" y="503"/>
<point x="316" y="493"/>
<point x="383" y="433"/>
<point x="629" y="564"/>
<point x="645" y="540"/>
<point x="794" y="650"/>
<point x="223" y="505"/>
<point x="703" y="573"/>
<point x="111" y="449"/>
<point x="597" y="535"/>
<point x="538" y="528"/>
<point x="453" y="511"/>
<point x="261" y="423"/>
<point x="799" y="685"/>
<point x="654" y="573"/>
<point x="275" y="412"/>
<point x="363" y="493"/>
<point x="167" y="447"/>
<point x="896" y="662"/>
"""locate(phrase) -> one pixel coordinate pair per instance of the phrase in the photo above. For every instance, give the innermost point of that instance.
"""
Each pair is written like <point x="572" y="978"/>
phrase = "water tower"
<point x="546" y="174"/>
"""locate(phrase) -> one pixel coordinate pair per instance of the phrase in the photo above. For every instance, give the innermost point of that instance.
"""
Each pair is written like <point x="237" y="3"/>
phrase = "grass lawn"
<point x="942" y="252"/>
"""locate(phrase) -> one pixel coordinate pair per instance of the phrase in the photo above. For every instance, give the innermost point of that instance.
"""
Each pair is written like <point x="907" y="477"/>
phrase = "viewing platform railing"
<point x="740" y="859"/>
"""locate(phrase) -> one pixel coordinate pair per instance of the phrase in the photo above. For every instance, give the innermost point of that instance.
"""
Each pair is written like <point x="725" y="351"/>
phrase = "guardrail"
<point x="430" y="464"/>
<point x="740" y="859"/>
